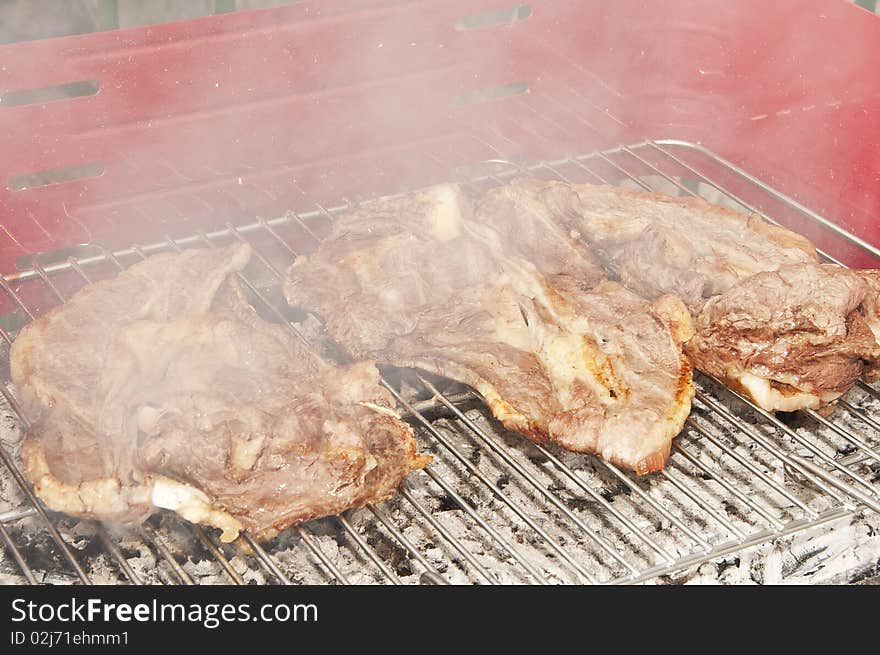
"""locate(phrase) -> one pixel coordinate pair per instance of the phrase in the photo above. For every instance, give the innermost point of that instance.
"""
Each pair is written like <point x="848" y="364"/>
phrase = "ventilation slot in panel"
<point x="55" y="176"/>
<point x="49" y="93"/>
<point x="493" y="93"/>
<point x="504" y="16"/>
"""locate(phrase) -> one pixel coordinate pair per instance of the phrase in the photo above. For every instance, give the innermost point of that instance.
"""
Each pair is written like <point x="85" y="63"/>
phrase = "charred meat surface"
<point x="789" y="339"/>
<point x="163" y="388"/>
<point x="425" y="281"/>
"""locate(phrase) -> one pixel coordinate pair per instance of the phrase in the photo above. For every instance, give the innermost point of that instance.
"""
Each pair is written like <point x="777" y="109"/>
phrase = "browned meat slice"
<point x="657" y="244"/>
<point x="162" y="388"/>
<point x="870" y="310"/>
<point x="598" y="371"/>
<point x="789" y="339"/>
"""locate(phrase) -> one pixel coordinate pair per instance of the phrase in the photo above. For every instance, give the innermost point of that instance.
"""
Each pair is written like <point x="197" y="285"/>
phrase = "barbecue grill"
<point x="262" y="126"/>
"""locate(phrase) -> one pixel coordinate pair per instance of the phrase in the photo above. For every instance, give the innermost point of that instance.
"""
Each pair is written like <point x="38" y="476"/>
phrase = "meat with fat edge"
<point x="805" y="344"/>
<point x="163" y="388"/>
<point x="426" y="281"/>
<point x="789" y="339"/>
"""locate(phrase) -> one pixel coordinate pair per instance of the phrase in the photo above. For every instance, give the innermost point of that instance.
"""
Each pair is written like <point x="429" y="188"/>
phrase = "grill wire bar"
<point x="510" y="461"/>
<point x="738" y="476"/>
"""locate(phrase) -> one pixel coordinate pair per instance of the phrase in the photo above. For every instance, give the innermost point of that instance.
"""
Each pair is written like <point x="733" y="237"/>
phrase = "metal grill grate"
<point x="492" y="507"/>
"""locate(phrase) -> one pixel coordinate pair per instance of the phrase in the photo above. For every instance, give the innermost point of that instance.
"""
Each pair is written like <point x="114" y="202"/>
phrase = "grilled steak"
<point x="870" y="310"/>
<point x="422" y="282"/>
<point x="789" y="339"/>
<point x="757" y="330"/>
<point x="162" y="388"/>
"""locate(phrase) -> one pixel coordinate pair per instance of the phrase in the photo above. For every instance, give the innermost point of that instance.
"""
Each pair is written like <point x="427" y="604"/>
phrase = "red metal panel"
<point x="788" y="90"/>
<point x="226" y="117"/>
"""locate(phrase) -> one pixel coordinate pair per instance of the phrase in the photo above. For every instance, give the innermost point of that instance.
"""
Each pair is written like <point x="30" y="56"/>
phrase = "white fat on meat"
<point x="193" y="505"/>
<point x="765" y="396"/>
<point x="105" y="497"/>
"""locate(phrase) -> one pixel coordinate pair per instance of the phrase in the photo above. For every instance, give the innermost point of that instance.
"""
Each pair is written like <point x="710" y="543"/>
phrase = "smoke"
<point x="224" y="118"/>
<point x="186" y="126"/>
<point x="130" y="135"/>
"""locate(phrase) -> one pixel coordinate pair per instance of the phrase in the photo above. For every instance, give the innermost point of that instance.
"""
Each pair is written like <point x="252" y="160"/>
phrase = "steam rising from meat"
<point x="323" y="100"/>
<point x="163" y="388"/>
<point x="523" y="317"/>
